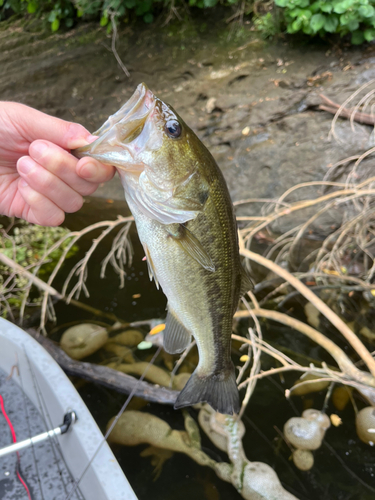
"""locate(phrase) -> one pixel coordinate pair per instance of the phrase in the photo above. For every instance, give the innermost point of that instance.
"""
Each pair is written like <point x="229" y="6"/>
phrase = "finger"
<point x="37" y="125"/>
<point x="48" y="185"/>
<point x="61" y="164"/>
<point x="39" y="209"/>
<point x="93" y="171"/>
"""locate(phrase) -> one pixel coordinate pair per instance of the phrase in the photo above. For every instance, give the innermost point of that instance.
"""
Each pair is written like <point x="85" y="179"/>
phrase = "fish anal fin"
<point x="150" y="267"/>
<point x="176" y="337"/>
<point x="191" y="245"/>
<point x="246" y="283"/>
<point x="218" y="390"/>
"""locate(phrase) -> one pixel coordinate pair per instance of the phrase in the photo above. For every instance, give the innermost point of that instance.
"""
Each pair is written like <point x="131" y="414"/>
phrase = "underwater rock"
<point x="303" y="459"/>
<point x="341" y="396"/>
<point x="179" y="381"/>
<point x="365" y="425"/>
<point x="120" y="351"/>
<point x="154" y="374"/>
<point x="321" y="418"/>
<point x="311" y="383"/>
<point x="80" y="341"/>
<point x="260" y="482"/>
<point x="214" y="427"/>
<point x="130" y="338"/>
<point x="303" y="434"/>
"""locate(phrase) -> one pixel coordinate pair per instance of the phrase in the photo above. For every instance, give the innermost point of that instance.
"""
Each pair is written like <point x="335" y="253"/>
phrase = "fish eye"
<point x="173" y="129"/>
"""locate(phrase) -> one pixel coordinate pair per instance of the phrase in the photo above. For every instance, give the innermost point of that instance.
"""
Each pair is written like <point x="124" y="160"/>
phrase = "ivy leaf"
<point x="52" y="16"/>
<point x="317" y="22"/>
<point x="339" y="8"/>
<point x="326" y="7"/>
<point x="358" y="37"/>
<point x="353" y="25"/>
<point x="281" y="3"/>
<point x="32" y="7"/>
<point x="302" y="3"/>
<point x="295" y="13"/>
<point x="331" y="23"/>
<point x="148" y="18"/>
<point x="366" y="11"/>
<point x="305" y="14"/>
<point x="55" y="25"/>
<point x="103" y="21"/>
<point x="369" y="34"/>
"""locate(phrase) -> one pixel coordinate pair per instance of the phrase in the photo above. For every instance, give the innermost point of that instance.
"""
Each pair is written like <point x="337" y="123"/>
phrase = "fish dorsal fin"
<point x="191" y="245"/>
<point x="176" y="337"/>
<point x="150" y="267"/>
<point x="246" y="283"/>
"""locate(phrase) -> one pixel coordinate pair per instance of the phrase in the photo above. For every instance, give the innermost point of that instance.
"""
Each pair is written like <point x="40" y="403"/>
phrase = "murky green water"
<point x="344" y="467"/>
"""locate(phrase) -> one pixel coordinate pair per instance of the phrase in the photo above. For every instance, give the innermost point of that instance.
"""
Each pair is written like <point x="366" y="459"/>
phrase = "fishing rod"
<point x="69" y="419"/>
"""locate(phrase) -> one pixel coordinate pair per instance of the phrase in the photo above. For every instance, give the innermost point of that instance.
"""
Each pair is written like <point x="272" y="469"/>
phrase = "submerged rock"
<point x="80" y="341"/>
<point x="365" y="425"/>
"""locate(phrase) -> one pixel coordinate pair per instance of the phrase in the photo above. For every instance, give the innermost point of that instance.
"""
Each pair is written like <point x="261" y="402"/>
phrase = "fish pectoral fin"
<point x="191" y="245"/>
<point x="150" y="267"/>
<point x="246" y="283"/>
<point x="176" y="337"/>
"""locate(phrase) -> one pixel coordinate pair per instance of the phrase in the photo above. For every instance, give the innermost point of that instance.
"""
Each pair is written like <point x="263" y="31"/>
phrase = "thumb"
<point x="37" y="125"/>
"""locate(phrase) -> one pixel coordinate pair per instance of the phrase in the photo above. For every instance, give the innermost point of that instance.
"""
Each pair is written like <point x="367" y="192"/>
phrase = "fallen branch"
<point x="350" y="114"/>
<point x="105" y="376"/>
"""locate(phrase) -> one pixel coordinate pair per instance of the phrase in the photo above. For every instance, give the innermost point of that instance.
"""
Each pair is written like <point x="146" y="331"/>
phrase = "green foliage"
<point x="65" y="12"/>
<point x="267" y="25"/>
<point x="318" y="17"/>
<point x="26" y="244"/>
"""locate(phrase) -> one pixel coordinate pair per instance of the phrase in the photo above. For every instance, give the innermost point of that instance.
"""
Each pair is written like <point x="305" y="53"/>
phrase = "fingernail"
<point x="22" y="183"/>
<point x="78" y="142"/>
<point x="89" y="171"/>
<point x="37" y="149"/>
<point x="25" y="165"/>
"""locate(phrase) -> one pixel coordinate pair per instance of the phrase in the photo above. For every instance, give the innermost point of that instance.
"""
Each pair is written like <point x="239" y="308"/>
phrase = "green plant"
<point x="67" y="11"/>
<point x="267" y="25"/>
<point x="26" y="245"/>
<point x="355" y="17"/>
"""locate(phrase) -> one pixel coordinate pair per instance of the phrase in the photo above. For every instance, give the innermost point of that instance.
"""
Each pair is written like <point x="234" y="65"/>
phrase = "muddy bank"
<point x="253" y="103"/>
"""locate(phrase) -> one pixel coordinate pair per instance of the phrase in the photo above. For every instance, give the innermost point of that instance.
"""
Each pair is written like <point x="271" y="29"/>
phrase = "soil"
<point x="252" y="102"/>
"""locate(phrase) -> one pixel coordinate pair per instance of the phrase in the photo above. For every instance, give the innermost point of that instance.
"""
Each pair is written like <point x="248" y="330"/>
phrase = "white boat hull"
<point x="104" y="479"/>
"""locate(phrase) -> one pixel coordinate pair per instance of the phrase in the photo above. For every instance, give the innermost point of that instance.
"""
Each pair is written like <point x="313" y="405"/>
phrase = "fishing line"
<point x="55" y="445"/>
<point x="116" y="419"/>
<point x="13" y="432"/>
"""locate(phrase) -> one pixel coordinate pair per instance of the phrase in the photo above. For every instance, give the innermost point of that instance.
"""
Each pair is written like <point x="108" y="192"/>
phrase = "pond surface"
<point x="344" y="467"/>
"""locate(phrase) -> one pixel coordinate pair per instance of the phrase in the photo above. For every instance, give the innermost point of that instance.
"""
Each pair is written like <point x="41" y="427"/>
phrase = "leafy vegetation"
<point x="26" y="244"/>
<point x="322" y="17"/>
<point x="65" y="12"/>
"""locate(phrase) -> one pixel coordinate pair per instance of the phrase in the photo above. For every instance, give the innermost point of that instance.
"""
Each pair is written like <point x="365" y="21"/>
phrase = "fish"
<point x="186" y="224"/>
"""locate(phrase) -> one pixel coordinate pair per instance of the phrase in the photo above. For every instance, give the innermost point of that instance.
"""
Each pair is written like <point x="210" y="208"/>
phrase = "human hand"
<point x="39" y="179"/>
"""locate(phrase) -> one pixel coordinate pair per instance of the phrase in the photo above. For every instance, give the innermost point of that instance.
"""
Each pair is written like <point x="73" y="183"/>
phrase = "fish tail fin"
<point x="219" y="390"/>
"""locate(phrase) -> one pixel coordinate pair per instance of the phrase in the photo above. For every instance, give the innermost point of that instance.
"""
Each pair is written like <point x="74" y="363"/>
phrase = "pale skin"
<point x="40" y="180"/>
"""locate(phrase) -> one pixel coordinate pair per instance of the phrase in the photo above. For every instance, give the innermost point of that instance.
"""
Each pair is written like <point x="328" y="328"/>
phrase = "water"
<point x="343" y="465"/>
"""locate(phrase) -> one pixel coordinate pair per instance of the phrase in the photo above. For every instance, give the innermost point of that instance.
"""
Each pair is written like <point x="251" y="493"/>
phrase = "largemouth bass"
<point x="186" y="224"/>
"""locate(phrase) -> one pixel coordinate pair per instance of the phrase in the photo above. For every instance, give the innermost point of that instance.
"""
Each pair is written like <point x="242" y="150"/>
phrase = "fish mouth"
<point x="120" y="137"/>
